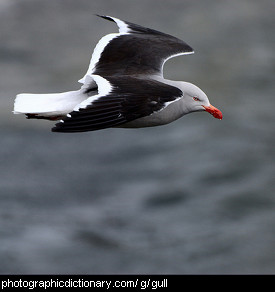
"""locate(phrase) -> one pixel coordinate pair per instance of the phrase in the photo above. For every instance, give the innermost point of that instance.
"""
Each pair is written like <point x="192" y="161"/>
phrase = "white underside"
<point x="173" y="111"/>
<point x="48" y="104"/>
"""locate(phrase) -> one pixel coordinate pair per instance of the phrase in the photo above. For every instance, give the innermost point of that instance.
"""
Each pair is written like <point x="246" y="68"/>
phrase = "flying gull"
<point x="123" y="87"/>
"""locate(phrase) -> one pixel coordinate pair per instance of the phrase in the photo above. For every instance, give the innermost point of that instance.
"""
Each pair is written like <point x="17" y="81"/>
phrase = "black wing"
<point x="131" y="98"/>
<point x="135" y="50"/>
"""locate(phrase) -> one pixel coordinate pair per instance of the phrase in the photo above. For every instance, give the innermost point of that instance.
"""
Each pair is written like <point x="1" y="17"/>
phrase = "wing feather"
<point x="135" y="50"/>
<point x="131" y="98"/>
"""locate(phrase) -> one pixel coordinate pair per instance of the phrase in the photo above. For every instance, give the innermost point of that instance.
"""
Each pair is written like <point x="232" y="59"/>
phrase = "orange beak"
<point x="216" y="113"/>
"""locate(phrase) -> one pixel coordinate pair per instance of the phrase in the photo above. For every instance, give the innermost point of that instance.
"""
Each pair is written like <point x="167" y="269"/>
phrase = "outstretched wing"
<point x="120" y="100"/>
<point x="135" y="50"/>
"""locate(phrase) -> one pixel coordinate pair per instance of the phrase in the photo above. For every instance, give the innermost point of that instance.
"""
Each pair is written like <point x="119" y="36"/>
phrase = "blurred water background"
<point x="195" y="196"/>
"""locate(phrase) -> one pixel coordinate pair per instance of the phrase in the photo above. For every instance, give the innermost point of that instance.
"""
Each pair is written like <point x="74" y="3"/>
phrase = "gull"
<point x="124" y="86"/>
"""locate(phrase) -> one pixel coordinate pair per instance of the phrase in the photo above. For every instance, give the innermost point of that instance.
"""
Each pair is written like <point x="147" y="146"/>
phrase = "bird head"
<point x="196" y="100"/>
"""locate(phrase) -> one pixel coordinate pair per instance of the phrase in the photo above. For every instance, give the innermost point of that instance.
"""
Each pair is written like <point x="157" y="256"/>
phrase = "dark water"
<point x="195" y="196"/>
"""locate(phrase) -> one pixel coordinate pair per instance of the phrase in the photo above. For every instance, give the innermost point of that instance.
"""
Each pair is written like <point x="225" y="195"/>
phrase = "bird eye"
<point x="195" y="98"/>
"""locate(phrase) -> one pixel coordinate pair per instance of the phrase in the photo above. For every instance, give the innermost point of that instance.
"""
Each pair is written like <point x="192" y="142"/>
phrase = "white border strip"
<point x="103" y="42"/>
<point x="173" y="56"/>
<point x="104" y="88"/>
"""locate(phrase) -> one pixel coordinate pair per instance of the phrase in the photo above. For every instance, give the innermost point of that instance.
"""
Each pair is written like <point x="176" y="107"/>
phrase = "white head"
<point x="196" y="100"/>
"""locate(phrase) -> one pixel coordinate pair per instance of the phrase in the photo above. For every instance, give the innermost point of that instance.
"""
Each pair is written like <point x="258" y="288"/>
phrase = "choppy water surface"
<point x="195" y="196"/>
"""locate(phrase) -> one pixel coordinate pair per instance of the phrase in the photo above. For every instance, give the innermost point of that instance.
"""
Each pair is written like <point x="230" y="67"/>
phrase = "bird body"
<point x="123" y="87"/>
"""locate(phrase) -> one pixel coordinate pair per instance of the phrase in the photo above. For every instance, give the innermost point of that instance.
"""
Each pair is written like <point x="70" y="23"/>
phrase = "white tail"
<point x="48" y="105"/>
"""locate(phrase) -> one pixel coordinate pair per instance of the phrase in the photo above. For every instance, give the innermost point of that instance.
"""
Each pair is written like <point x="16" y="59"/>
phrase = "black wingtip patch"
<point x="105" y="17"/>
<point x="54" y="129"/>
<point x="57" y="127"/>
